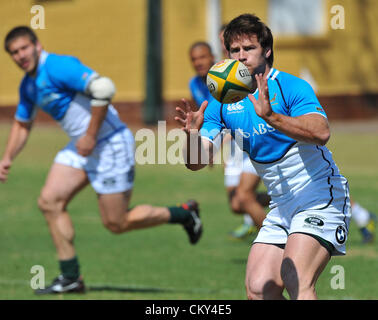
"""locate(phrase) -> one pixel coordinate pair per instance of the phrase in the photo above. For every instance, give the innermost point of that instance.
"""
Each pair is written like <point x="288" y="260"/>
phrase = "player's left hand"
<point x="262" y="104"/>
<point x="85" y="145"/>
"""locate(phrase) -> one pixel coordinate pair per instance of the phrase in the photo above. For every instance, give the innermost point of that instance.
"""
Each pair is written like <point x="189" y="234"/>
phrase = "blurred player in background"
<point x="101" y="152"/>
<point x="310" y="207"/>
<point x="365" y="221"/>
<point x="248" y="198"/>
<point x="202" y="59"/>
<point x="240" y="178"/>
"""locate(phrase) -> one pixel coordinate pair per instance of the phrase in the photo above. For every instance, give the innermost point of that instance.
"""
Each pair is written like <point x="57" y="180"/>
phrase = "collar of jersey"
<point x="272" y="72"/>
<point x="42" y="60"/>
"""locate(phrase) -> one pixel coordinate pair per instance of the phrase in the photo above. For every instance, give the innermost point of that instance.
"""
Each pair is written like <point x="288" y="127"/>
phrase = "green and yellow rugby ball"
<point x="229" y="81"/>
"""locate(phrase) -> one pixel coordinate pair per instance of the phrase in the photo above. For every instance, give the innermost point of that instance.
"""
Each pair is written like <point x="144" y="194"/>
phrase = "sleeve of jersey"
<point x="26" y="110"/>
<point x="212" y="124"/>
<point x="69" y="73"/>
<point x="196" y="93"/>
<point x="302" y="99"/>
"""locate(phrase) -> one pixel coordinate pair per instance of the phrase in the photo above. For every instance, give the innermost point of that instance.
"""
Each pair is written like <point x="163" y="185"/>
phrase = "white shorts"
<point x="329" y="222"/>
<point x="234" y="168"/>
<point x="110" y="167"/>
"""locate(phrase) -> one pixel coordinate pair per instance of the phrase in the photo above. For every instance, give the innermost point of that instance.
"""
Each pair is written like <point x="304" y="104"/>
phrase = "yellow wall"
<point x="342" y="61"/>
<point x="106" y="35"/>
<point x="109" y="36"/>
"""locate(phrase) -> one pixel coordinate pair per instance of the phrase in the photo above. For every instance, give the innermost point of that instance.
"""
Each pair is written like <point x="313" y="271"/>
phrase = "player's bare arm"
<point x="311" y="128"/>
<point x="87" y="142"/>
<point x="197" y="151"/>
<point x="17" y="139"/>
<point x="101" y="90"/>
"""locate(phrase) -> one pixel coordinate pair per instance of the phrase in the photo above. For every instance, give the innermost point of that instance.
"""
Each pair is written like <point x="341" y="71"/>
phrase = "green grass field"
<point x="159" y="263"/>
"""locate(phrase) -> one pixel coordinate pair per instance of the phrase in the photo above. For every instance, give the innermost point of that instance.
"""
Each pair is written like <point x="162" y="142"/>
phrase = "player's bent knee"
<point x="114" y="228"/>
<point x="235" y="206"/>
<point x="254" y="287"/>
<point x="115" y="225"/>
<point x="254" y="291"/>
<point x="245" y="196"/>
<point x="47" y="205"/>
<point x="261" y="288"/>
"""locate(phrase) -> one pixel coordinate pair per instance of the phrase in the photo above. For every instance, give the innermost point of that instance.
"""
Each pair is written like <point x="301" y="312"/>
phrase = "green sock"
<point x="179" y="215"/>
<point x="70" y="268"/>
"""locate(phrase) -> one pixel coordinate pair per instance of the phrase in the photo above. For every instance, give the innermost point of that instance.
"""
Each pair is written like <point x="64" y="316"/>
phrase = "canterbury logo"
<point x="235" y="107"/>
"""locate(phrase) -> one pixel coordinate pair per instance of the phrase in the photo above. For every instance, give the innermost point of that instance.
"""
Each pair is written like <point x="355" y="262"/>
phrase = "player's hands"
<point x="188" y="119"/>
<point x="5" y="166"/>
<point x="262" y="105"/>
<point x="85" y="145"/>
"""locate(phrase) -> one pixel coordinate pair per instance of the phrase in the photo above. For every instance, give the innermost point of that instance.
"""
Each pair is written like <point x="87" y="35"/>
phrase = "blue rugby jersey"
<point x="287" y="167"/>
<point x="199" y="91"/>
<point x="58" y="88"/>
<point x="288" y="95"/>
<point x="54" y="86"/>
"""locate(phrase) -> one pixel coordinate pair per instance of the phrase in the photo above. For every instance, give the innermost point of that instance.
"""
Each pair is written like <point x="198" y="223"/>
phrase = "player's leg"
<point x="111" y="175"/>
<point x="231" y="180"/>
<point x="118" y="218"/>
<point x="316" y="233"/>
<point x="303" y="261"/>
<point x="263" y="278"/>
<point x="62" y="183"/>
<point x="247" y="196"/>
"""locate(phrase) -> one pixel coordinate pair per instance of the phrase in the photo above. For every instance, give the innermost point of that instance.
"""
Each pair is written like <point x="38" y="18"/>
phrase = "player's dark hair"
<point x="17" y="32"/>
<point x="249" y="24"/>
<point x="200" y="44"/>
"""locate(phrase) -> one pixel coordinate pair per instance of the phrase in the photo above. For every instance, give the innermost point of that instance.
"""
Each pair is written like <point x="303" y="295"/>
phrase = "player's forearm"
<point x="17" y="139"/>
<point x="197" y="152"/>
<point x="98" y="115"/>
<point x="311" y="128"/>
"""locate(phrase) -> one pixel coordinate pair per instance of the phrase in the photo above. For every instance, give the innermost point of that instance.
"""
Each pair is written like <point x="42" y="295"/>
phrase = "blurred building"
<point x="330" y="43"/>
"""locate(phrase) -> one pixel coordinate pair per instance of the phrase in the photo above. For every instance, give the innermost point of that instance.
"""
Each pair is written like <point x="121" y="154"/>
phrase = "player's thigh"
<point x="303" y="261"/>
<point x="62" y="183"/>
<point x="248" y="182"/>
<point x="263" y="272"/>
<point x="113" y="206"/>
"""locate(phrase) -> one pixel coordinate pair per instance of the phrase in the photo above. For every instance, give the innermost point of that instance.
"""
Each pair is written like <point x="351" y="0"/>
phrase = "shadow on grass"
<point x="127" y="289"/>
<point x="130" y="289"/>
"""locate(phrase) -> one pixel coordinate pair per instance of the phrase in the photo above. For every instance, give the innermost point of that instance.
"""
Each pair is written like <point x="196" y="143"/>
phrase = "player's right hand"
<point x="5" y="166"/>
<point x="188" y="119"/>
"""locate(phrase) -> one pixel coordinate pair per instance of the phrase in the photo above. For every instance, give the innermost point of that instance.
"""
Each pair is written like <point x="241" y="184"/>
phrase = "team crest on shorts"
<point x="340" y="234"/>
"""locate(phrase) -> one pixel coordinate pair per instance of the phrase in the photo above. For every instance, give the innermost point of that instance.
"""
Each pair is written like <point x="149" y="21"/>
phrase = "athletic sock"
<point x="248" y="220"/>
<point x="70" y="268"/>
<point x="179" y="215"/>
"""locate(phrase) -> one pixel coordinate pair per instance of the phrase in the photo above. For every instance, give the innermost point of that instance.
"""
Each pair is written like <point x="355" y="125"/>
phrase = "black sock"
<point x="70" y="268"/>
<point x="179" y="215"/>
